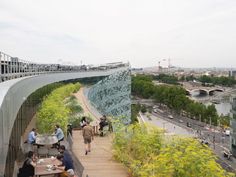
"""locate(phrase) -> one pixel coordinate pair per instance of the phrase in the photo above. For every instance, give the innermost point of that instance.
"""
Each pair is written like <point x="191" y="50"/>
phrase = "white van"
<point x="170" y="117"/>
<point x="227" y="132"/>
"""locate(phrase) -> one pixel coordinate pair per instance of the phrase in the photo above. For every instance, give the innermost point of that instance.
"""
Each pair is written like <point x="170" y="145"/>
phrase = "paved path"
<point x="99" y="162"/>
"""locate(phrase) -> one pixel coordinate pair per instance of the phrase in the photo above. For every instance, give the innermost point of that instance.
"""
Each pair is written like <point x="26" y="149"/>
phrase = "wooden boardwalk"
<point x="99" y="162"/>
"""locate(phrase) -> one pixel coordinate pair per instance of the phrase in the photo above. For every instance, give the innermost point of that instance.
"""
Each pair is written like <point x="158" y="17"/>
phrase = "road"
<point x="167" y="125"/>
<point x="216" y="139"/>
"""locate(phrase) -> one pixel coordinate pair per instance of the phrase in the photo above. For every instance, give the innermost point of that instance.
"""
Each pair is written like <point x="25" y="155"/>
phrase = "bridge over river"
<point x="193" y="87"/>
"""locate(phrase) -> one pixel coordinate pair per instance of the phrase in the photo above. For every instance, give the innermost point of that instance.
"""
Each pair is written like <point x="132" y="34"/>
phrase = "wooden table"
<point x="46" y="139"/>
<point x="42" y="170"/>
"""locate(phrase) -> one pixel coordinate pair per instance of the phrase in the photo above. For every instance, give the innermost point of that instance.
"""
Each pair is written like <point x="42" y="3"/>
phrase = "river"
<point x="223" y="107"/>
<point x="222" y="104"/>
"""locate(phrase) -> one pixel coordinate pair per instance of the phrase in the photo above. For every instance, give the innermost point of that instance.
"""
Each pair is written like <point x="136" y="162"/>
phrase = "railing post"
<point x="0" y="66"/>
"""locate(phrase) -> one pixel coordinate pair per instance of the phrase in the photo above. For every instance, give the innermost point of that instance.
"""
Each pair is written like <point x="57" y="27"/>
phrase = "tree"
<point x="143" y="109"/>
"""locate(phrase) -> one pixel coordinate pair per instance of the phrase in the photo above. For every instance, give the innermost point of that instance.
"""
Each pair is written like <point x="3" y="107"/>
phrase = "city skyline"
<point x="190" y="33"/>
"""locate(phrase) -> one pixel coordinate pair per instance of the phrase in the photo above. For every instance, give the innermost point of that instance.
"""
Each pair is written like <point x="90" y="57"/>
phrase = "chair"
<point x="65" y="144"/>
<point x="53" y="152"/>
<point x="42" y="152"/>
<point x="27" y="147"/>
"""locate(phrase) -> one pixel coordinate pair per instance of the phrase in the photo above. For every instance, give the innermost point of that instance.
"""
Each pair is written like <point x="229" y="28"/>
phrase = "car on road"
<point x="155" y="106"/>
<point x="170" y="117"/>
<point x="227" y="153"/>
<point x="227" y="132"/>
<point x="203" y="141"/>
<point x="188" y="124"/>
<point x="155" y="110"/>
<point x="181" y="121"/>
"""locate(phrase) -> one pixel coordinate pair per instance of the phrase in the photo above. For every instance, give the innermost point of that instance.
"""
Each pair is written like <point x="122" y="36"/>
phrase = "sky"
<point x="191" y="33"/>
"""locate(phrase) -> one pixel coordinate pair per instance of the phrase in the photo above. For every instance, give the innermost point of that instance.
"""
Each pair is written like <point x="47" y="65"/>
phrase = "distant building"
<point x="233" y="125"/>
<point x="232" y="73"/>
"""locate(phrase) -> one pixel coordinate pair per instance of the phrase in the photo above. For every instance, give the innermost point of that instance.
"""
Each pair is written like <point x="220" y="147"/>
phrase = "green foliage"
<point x="53" y="110"/>
<point x="135" y="108"/>
<point x="169" y="79"/>
<point x="224" y="81"/>
<point x="73" y="105"/>
<point x="142" y="85"/>
<point x="76" y="119"/>
<point x="174" y="97"/>
<point x="143" y="109"/>
<point x="224" y="121"/>
<point x="39" y="94"/>
<point x="190" y="78"/>
<point x="148" y="153"/>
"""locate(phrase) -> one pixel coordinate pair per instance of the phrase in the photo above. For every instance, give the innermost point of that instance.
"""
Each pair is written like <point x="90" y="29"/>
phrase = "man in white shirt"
<point x="32" y="136"/>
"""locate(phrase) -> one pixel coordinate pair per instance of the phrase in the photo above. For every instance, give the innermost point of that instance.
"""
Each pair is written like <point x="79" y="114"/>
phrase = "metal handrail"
<point x="80" y="168"/>
<point x="13" y="67"/>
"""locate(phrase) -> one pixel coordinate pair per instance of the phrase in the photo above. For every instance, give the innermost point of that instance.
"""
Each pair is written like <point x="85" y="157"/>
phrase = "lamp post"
<point x="210" y="122"/>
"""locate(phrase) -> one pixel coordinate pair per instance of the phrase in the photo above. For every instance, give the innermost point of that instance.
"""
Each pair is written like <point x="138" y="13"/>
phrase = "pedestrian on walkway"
<point x="87" y="133"/>
<point x="60" y="136"/>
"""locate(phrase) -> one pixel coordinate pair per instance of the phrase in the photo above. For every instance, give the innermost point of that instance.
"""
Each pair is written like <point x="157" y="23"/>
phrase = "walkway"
<point x="99" y="162"/>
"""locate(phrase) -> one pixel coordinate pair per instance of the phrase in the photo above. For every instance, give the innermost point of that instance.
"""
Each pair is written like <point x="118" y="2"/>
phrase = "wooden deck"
<point x="99" y="162"/>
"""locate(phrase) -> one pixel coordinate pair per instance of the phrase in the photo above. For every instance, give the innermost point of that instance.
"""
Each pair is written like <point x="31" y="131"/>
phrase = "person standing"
<point x="59" y="133"/>
<point x="69" y="130"/>
<point x="60" y="136"/>
<point x="87" y="133"/>
<point x="32" y="136"/>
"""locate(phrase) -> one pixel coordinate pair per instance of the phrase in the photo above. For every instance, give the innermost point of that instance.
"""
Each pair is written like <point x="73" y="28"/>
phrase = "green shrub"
<point x="54" y="111"/>
<point x="147" y="152"/>
<point x="75" y="120"/>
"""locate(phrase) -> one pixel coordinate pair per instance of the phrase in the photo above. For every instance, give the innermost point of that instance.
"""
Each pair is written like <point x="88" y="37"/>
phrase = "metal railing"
<point x="13" y="67"/>
<point x="77" y="164"/>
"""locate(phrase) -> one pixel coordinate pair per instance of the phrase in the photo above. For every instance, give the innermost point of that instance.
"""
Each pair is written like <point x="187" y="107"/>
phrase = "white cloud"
<point x="200" y="33"/>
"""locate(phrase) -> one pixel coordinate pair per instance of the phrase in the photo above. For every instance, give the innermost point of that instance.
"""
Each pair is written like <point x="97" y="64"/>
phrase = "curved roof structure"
<point x="14" y="92"/>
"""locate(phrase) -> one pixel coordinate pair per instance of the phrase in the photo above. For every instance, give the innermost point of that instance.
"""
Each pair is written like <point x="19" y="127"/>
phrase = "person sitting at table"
<point x="63" y="166"/>
<point x="32" y="136"/>
<point x="27" y="170"/>
<point x="67" y="159"/>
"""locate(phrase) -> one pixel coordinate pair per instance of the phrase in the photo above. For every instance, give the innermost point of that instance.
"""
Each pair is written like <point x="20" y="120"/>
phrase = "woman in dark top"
<point x="27" y="169"/>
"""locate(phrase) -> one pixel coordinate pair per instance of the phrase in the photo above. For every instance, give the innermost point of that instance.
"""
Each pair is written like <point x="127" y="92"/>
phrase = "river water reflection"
<point x="223" y="107"/>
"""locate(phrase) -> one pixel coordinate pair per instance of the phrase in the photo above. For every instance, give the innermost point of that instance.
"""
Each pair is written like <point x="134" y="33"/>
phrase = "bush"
<point x="143" y="109"/>
<point x="147" y="152"/>
<point x="53" y="109"/>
